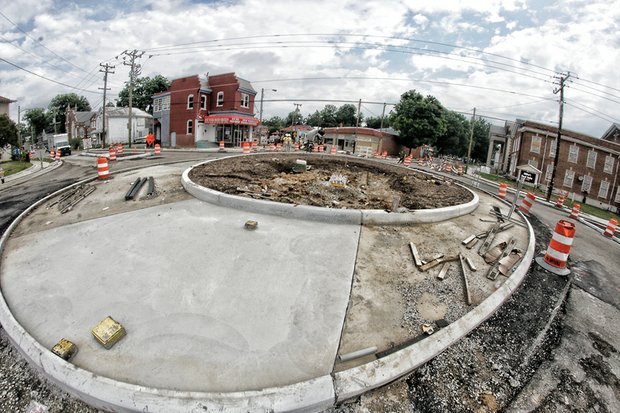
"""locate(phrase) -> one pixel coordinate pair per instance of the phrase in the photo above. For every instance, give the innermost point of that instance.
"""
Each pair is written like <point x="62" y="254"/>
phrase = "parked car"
<point x="64" y="148"/>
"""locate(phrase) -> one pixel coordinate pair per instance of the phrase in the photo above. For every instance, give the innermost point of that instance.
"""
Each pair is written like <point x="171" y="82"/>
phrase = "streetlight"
<point x="262" y="94"/>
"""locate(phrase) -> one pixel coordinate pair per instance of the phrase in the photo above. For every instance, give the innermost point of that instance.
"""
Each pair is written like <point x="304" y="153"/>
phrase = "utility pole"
<point x="106" y="69"/>
<point x="297" y="106"/>
<point x="262" y="93"/>
<point x="471" y="135"/>
<point x="129" y="59"/>
<point x="19" y="129"/>
<point x="382" y="116"/>
<point x="561" y="78"/>
<point x="359" y="107"/>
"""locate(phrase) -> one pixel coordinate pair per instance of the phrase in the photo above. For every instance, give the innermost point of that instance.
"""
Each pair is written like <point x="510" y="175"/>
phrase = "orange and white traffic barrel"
<point x="119" y="149"/>
<point x="527" y="203"/>
<point x="448" y="167"/>
<point x="376" y="154"/>
<point x="221" y="146"/>
<point x="407" y="161"/>
<point x="556" y="256"/>
<point x="502" y="190"/>
<point x="278" y="147"/>
<point x="296" y="147"/>
<point x="272" y="147"/>
<point x="420" y="162"/>
<point x="333" y="150"/>
<point x="112" y="152"/>
<point x="384" y="155"/>
<point x="254" y="146"/>
<point x="52" y="154"/>
<point x="611" y="228"/>
<point x="246" y="147"/>
<point x="321" y="148"/>
<point x="157" y="149"/>
<point x="315" y="148"/>
<point x="574" y="214"/>
<point x="102" y="168"/>
<point x="460" y="172"/>
<point x="560" y="201"/>
<point x="57" y="154"/>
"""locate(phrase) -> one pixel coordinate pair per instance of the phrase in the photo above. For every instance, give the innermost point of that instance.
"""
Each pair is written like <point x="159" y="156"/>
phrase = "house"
<point x="588" y="167"/>
<point x="80" y="124"/>
<point x="4" y="105"/>
<point x="500" y="140"/>
<point x="612" y="134"/>
<point x="117" y="121"/>
<point x="201" y="111"/>
<point x="361" y="141"/>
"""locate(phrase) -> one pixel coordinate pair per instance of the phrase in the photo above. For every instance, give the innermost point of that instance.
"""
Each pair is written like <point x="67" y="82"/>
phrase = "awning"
<point x="230" y="120"/>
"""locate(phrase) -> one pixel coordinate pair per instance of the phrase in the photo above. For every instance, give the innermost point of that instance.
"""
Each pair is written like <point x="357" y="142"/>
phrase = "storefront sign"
<point x="230" y="120"/>
<point x="528" y="176"/>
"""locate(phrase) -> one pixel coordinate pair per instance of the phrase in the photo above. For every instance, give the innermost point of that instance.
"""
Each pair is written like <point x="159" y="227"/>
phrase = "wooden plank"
<point x="416" y="256"/>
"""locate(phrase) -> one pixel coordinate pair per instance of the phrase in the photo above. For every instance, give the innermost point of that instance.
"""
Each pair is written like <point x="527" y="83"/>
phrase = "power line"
<point x="47" y="78"/>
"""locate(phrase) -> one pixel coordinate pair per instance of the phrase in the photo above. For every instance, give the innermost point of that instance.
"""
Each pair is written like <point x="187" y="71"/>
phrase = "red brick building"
<point x="201" y="111"/>
<point x="588" y="167"/>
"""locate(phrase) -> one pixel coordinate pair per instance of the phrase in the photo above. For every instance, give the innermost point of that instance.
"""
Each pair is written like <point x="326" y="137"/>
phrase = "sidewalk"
<point x="35" y="170"/>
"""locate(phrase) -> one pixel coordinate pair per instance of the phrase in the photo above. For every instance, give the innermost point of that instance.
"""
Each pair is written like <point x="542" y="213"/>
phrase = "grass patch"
<point x="13" y="167"/>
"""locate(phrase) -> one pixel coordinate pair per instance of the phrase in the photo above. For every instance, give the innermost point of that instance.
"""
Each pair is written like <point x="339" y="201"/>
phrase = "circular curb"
<point x="330" y="215"/>
<point x="317" y="394"/>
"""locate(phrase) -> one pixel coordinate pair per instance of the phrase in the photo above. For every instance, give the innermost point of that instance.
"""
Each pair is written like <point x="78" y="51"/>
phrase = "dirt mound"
<point x="369" y="185"/>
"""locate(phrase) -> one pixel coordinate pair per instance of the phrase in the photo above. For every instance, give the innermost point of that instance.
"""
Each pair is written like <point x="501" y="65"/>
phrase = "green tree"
<point x="37" y="120"/>
<point x="143" y="90"/>
<point x="294" y="118"/>
<point x="59" y="105"/>
<point x="274" y="123"/>
<point x="347" y="115"/>
<point x="328" y="116"/>
<point x="481" y="139"/>
<point x="419" y="119"/>
<point x="456" y="138"/>
<point x="314" y="119"/>
<point x="375" y="122"/>
<point x="8" y="131"/>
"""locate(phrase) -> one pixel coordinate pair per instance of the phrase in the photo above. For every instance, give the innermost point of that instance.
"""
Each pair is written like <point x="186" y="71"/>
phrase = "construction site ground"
<point x="550" y="347"/>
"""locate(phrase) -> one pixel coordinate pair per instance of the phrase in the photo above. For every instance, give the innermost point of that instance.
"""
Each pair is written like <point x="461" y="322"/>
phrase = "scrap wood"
<point x="467" y="293"/>
<point x="508" y="263"/>
<point x="437" y="261"/>
<point x="494" y="271"/>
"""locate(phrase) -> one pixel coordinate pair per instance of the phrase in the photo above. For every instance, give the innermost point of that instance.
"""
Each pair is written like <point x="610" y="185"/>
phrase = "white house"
<point x="116" y="124"/>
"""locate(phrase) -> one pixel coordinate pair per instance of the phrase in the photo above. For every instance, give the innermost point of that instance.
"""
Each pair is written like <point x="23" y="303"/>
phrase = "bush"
<point x="75" y="143"/>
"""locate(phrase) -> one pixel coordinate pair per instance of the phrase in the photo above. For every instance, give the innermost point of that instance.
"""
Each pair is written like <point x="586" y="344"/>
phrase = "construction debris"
<point x="443" y="272"/>
<point x="508" y="264"/>
<point x="251" y="224"/>
<point x="494" y="253"/>
<point x="470" y="264"/>
<point x="428" y="328"/>
<point x="489" y="239"/>
<point x="108" y="332"/>
<point x="468" y="239"/>
<point x="135" y="188"/>
<point x="64" y="349"/>
<point x="494" y="271"/>
<point x="472" y="243"/>
<point x="416" y="256"/>
<point x="436" y="262"/>
<point x="69" y="199"/>
<point x="465" y="281"/>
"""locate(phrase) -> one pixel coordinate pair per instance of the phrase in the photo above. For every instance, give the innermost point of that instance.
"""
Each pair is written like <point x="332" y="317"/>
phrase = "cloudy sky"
<point x="499" y="56"/>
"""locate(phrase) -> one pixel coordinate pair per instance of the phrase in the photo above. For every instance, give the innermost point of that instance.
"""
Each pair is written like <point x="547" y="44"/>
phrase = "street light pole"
<point x="262" y="94"/>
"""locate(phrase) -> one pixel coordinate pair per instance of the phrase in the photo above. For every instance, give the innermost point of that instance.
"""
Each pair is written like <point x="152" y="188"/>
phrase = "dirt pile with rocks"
<point x="369" y="185"/>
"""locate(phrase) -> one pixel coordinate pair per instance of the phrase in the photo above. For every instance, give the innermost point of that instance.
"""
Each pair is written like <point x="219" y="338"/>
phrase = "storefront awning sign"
<point x="230" y="120"/>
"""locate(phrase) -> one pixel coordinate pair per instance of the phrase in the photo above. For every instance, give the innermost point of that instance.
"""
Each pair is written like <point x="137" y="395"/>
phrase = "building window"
<point x="568" y="178"/>
<point x="165" y="103"/>
<point x="157" y="105"/>
<point x="549" y="172"/>
<point x="190" y="102"/>
<point x="586" y="184"/>
<point x="535" y="146"/>
<point x="573" y="153"/>
<point x="617" y="198"/>
<point x="591" y="162"/>
<point x="603" y="189"/>
<point x="609" y="164"/>
<point x="190" y="127"/>
<point x="220" y="99"/>
<point x="552" y="148"/>
<point x="245" y="100"/>
<point x="203" y="102"/>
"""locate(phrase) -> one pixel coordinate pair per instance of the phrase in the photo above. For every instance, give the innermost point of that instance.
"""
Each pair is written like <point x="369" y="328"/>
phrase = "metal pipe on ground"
<point x="135" y="188"/>
<point x="357" y="354"/>
<point x="150" y="191"/>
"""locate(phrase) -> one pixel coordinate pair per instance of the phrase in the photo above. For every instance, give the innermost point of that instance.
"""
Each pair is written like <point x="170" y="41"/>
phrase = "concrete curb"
<point x="122" y="158"/>
<point x="29" y="173"/>
<point x="331" y="215"/>
<point x="355" y="381"/>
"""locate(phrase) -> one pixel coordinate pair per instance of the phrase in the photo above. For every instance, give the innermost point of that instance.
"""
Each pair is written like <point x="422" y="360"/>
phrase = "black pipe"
<point x="151" y="187"/>
<point x="132" y="190"/>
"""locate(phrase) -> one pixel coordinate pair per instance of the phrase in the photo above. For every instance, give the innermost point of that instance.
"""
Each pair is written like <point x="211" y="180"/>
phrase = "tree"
<point x="314" y="119"/>
<point x="419" y="119"/>
<point x="328" y="116"/>
<point x="38" y="121"/>
<point x="481" y="139"/>
<point x="8" y="131"/>
<point x="294" y="118"/>
<point x="143" y="90"/>
<point x="374" y="122"/>
<point x="455" y="140"/>
<point x="58" y="107"/>
<point x="346" y="115"/>
<point x="274" y="123"/>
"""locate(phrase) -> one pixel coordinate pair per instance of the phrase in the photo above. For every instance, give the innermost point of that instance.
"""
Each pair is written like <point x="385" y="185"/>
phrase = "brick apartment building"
<point x="588" y="167"/>
<point x="201" y="111"/>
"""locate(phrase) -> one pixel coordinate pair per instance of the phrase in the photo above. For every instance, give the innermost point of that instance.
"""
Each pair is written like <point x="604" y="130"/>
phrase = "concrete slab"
<point x="269" y="314"/>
